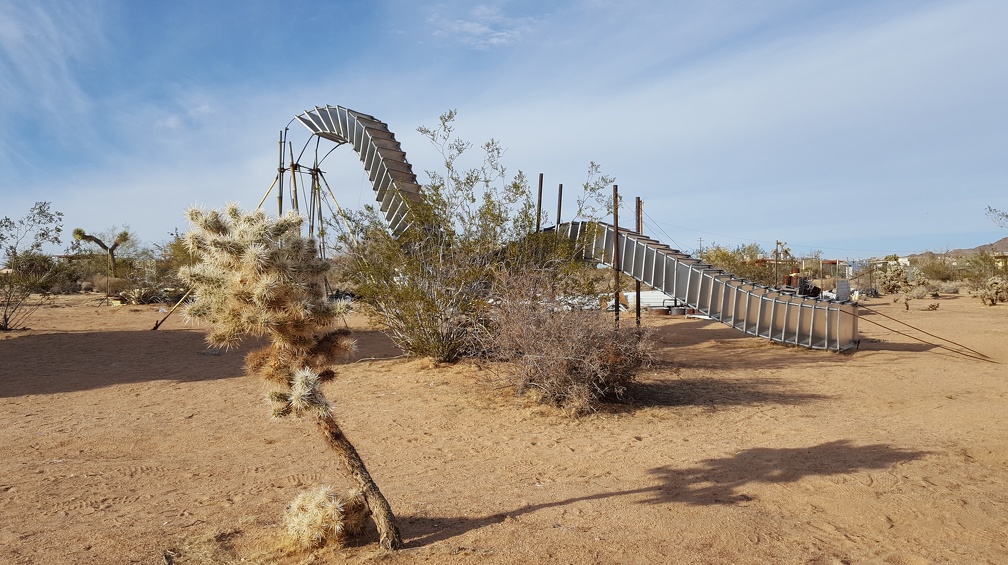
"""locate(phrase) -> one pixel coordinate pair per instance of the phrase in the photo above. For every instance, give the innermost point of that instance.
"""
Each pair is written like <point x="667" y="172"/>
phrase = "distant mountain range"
<point x="999" y="246"/>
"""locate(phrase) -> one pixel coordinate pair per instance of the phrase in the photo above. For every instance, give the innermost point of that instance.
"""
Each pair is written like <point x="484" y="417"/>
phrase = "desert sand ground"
<point x="126" y="445"/>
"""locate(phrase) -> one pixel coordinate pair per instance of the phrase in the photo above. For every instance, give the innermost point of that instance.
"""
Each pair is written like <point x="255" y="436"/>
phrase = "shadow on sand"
<point x="67" y="362"/>
<point x="719" y="481"/>
<point x="712" y="392"/>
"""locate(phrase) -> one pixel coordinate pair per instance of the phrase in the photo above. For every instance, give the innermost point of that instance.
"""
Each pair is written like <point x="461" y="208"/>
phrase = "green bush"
<point x="28" y="276"/>
<point x="934" y="267"/>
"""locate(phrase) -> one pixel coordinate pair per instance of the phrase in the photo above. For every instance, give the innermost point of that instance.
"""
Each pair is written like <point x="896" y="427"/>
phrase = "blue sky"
<point x="856" y="128"/>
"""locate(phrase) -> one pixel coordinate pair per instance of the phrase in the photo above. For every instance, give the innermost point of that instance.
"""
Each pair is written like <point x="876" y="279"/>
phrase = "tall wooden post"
<point x="640" y="228"/>
<point x="559" y="204"/>
<point x="281" y="171"/>
<point x="616" y="256"/>
<point x="293" y="172"/>
<point x="539" y="205"/>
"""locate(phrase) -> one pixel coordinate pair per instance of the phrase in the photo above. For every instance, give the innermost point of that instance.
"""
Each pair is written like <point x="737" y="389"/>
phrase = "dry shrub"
<point x="557" y="351"/>
<point x="319" y="516"/>
<point x="949" y="287"/>
<point x="918" y="292"/>
<point x="106" y="285"/>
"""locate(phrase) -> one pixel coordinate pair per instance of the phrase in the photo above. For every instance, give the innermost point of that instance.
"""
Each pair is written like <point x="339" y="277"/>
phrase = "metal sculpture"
<point x="751" y="308"/>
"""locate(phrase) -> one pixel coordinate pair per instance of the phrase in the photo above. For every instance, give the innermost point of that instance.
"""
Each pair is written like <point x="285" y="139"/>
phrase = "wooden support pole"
<point x="616" y="256"/>
<point x="559" y="203"/>
<point x="539" y="205"/>
<point x="640" y="228"/>
<point x="281" y="171"/>
<point x="293" y="173"/>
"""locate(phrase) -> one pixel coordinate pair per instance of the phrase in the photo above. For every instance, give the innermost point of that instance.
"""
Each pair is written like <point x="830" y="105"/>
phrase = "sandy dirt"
<point x="126" y="445"/>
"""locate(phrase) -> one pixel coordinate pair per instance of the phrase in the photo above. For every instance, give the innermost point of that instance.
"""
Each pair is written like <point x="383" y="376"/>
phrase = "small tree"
<point x="428" y="285"/>
<point x="259" y="277"/>
<point x="749" y="262"/>
<point x="934" y="266"/>
<point x="27" y="274"/>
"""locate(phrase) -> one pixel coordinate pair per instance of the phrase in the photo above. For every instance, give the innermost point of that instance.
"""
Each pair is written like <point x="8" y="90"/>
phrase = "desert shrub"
<point x="470" y="277"/>
<point x="949" y="287"/>
<point x="996" y="290"/>
<point x="744" y="261"/>
<point x="921" y="291"/>
<point x="558" y="351"/>
<point x="980" y="267"/>
<point x="144" y="295"/>
<point x="110" y="286"/>
<point x="934" y="266"/>
<point x="28" y="275"/>
<point x="430" y="286"/>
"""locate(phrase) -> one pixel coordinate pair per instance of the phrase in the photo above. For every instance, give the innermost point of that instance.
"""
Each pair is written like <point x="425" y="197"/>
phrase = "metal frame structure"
<point x="385" y="162"/>
<point x="757" y="310"/>
<point x="743" y="305"/>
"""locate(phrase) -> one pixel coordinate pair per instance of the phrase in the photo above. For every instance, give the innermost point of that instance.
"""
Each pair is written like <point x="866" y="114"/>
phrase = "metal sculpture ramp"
<point x="391" y="175"/>
<point x="744" y="305"/>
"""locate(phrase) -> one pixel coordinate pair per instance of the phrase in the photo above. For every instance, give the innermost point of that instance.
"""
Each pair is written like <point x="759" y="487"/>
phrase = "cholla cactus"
<point x="258" y="276"/>
<point x="302" y="396"/>
<point x="319" y="516"/>
<point x="995" y="291"/>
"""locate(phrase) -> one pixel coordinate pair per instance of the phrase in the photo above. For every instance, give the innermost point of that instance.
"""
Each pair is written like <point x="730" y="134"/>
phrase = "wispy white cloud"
<point x="42" y="46"/>
<point x="481" y="27"/>
<point x="39" y="46"/>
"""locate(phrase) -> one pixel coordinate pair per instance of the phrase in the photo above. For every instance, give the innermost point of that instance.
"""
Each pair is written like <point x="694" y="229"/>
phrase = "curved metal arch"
<point x="385" y="162"/>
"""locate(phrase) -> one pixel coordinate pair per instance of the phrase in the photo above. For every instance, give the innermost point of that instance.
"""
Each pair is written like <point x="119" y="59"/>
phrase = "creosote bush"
<point x="257" y="276"/>
<point x="471" y="278"/>
<point x="27" y="276"/>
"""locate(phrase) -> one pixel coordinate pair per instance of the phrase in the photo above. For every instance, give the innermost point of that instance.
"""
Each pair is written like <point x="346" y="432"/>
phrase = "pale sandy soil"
<point x="126" y="445"/>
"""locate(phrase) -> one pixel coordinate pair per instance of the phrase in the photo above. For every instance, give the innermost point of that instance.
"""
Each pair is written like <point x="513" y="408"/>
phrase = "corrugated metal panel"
<point x="744" y="305"/>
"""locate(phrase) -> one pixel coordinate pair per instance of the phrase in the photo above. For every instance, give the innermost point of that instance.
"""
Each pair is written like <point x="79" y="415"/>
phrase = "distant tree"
<point x="934" y="266"/>
<point x="27" y="273"/>
<point x="259" y="277"/>
<point x="747" y="261"/>
<point x="998" y="217"/>
<point x="122" y="237"/>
